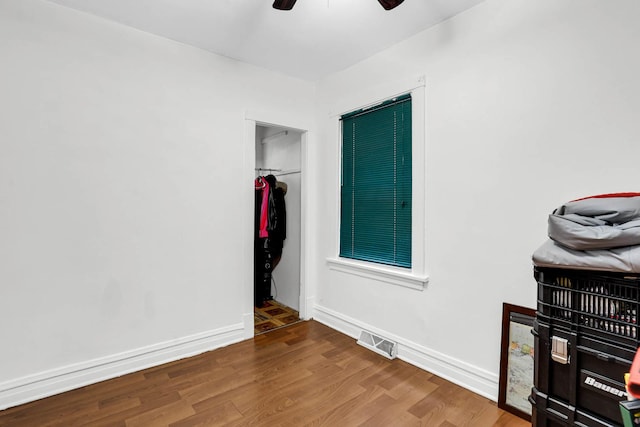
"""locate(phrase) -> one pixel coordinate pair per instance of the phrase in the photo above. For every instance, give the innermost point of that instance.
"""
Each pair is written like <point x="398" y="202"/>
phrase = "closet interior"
<point x="277" y="227"/>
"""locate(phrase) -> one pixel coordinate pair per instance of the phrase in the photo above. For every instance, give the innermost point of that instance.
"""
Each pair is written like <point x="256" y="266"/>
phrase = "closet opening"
<point x="277" y="227"/>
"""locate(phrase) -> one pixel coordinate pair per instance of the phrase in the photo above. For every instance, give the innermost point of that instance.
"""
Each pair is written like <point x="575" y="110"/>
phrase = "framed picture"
<point x="516" y="360"/>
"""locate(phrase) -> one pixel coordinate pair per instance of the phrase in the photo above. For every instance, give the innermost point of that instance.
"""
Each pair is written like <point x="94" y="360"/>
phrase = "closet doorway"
<point x="277" y="261"/>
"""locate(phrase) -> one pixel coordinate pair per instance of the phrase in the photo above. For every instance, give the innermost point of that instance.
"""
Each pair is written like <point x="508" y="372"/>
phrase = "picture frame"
<point x="517" y="353"/>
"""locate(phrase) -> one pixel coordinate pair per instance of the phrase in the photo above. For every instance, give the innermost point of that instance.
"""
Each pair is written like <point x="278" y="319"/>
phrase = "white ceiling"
<point x="316" y="38"/>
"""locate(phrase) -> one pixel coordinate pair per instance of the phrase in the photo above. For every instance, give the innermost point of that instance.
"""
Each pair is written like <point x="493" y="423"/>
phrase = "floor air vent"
<point x="388" y="349"/>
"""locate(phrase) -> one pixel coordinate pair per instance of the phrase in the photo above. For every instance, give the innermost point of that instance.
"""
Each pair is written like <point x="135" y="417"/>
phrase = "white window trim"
<point x="387" y="274"/>
<point x="415" y="277"/>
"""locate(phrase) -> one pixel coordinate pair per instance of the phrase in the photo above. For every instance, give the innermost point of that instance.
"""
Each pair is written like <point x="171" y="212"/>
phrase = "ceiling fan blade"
<point x="390" y="4"/>
<point x="284" y="4"/>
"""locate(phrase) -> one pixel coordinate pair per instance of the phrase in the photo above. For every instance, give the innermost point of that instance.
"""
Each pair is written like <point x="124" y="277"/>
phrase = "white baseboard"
<point x="49" y="383"/>
<point x="248" y="319"/>
<point x="309" y="308"/>
<point x="477" y="380"/>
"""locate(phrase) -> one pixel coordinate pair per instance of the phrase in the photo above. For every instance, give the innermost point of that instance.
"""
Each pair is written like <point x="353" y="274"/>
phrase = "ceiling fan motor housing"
<point x="283" y="4"/>
<point x="288" y="4"/>
<point x="390" y="4"/>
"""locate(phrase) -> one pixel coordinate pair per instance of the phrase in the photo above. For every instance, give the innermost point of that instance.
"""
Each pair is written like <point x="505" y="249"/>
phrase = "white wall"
<point x="122" y="197"/>
<point x="528" y="105"/>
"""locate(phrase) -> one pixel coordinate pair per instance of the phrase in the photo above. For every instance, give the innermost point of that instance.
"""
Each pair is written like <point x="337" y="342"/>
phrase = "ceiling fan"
<point x="288" y="4"/>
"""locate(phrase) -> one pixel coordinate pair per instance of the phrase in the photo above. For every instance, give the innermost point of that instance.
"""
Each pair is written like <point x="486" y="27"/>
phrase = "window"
<point x="376" y="188"/>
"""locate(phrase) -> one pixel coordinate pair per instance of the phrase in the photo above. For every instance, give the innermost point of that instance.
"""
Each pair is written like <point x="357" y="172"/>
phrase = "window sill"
<point x="379" y="272"/>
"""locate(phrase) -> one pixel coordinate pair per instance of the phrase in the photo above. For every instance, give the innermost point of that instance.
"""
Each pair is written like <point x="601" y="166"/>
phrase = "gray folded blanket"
<point x="595" y="233"/>
<point x="597" y="223"/>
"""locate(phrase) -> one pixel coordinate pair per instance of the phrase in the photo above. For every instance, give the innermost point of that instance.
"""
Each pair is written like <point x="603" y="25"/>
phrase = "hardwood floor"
<point x="304" y="374"/>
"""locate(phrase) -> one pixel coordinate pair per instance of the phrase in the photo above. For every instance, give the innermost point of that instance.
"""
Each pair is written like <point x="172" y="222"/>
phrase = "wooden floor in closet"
<point x="304" y="374"/>
<point x="273" y="315"/>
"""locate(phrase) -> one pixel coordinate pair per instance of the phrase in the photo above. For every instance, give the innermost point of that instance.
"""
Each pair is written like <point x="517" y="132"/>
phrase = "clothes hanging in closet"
<point x="270" y="233"/>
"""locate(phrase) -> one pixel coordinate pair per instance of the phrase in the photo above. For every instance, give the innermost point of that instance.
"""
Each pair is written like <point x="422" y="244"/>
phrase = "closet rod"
<point x="290" y="172"/>
<point x="268" y="169"/>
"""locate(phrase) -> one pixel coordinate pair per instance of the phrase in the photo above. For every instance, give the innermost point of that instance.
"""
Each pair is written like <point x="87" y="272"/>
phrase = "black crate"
<point x="550" y="412"/>
<point x="599" y="304"/>
<point x="591" y="380"/>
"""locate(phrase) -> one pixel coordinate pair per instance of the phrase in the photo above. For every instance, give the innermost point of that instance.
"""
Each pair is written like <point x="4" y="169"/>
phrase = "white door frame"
<point x="288" y="121"/>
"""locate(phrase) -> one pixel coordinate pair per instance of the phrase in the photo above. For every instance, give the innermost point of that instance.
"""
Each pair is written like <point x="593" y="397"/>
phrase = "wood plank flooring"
<point x="304" y="374"/>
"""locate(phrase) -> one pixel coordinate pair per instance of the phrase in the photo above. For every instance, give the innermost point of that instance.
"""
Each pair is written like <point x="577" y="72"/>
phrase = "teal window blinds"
<point x="375" y="210"/>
